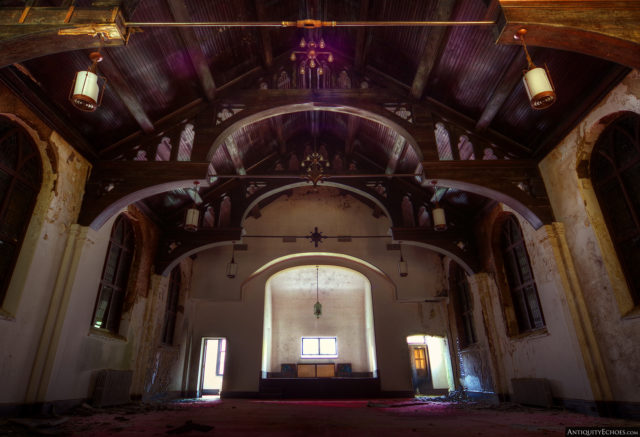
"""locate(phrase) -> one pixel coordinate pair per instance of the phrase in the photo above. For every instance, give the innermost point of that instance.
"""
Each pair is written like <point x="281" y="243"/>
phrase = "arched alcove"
<point x="344" y="328"/>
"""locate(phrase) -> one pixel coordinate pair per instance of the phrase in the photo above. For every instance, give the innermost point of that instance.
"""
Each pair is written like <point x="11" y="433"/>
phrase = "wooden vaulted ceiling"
<point x="164" y="75"/>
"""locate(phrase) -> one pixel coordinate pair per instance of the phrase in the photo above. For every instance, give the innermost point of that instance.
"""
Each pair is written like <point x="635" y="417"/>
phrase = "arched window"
<point x="20" y="180"/>
<point x="517" y="269"/>
<point x="171" y="313"/>
<point x="615" y="173"/>
<point x="115" y="276"/>
<point x="462" y="305"/>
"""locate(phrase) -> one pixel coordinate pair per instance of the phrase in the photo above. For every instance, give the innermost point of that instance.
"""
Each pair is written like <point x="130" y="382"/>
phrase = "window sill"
<point x="534" y="333"/>
<point x="103" y="334"/>
<point x="4" y="315"/>
<point x="634" y="313"/>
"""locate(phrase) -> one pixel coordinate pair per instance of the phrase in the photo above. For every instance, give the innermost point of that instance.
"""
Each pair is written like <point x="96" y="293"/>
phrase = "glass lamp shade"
<point x="439" y="220"/>
<point x="86" y="91"/>
<point x="317" y="310"/>
<point x="232" y="269"/>
<point x="191" y="219"/>
<point x="539" y="88"/>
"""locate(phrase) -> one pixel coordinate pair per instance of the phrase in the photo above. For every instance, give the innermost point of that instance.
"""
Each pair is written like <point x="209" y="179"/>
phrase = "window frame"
<point x="125" y="246"/>
<point x="603" y="149"/>
<point x="319" y="355"/>
<point x="462" y="306"/>
<point x="513" y="267"/>
<point x="27" y="155"/>
<point x="171" y="308"/>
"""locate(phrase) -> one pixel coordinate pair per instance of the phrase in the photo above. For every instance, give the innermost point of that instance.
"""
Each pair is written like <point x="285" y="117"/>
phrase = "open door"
<point x="421" y="373"/>
<point x="214" y="351"/>
<point x="430" y="365"/>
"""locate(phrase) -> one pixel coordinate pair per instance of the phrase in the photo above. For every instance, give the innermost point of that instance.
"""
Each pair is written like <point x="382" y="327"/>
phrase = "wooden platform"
<point x="319" y="388"/>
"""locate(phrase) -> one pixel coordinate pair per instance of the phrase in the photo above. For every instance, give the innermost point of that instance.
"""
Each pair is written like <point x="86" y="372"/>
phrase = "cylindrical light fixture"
<point x="232" y="267"/>
<point x="86" y="93"/>
<point x="192" y="219"/>
<point x="537" y="80"/>
<point x="439" y="219"/>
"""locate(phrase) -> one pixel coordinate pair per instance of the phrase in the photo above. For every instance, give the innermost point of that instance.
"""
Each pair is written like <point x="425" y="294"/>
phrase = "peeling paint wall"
<point x="552" y="353"/>
<point x="84" y="351"/>
<point x="616" y="323"/>
<point x="23" y="313"/>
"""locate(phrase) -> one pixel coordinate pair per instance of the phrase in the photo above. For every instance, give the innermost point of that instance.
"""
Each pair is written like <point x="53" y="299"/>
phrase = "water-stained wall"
<point x="616" y="322"/>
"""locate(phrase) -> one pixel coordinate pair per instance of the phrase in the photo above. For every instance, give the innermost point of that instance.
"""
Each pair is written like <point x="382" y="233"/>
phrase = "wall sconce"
<point x="85" y="93"/>
<point x="439" y="218"/>
<point x="232" y="267"/>
<point x="192" y="217"/>
<point x="403" y="268"/>
<point x="537" y="80"/>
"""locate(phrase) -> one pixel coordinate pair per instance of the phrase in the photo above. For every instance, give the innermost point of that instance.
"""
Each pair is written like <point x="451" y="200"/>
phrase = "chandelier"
<point x="309" y="58"/>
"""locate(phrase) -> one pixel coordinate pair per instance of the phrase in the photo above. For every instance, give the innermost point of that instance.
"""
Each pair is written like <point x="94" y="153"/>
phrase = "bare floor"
<point x="351" y="418"/>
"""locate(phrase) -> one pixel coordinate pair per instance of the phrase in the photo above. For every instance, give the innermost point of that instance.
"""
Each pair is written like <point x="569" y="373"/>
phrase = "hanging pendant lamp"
<point x="317" y="307"/>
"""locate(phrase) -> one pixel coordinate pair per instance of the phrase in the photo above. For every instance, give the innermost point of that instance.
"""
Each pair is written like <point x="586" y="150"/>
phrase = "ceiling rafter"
<point x="510" y="78"/>
<point x="124" y="92"/>
<point x="190" y="41"/>
<point x="267" y="48"/>
<point x="361" y="38"/>
<point x="435" y="41"/>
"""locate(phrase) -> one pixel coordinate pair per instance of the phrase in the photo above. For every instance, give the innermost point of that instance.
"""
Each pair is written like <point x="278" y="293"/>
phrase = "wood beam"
<point x="436" y="40"/>
<point x="267" y="49"/>
<point x="38" y="101"/>
<point x="48" y="30"/>
<point x="234" y="154"/>
<point x="442" y="242"/>
<point x="469" y="125"/>
<point x="396" y="152"/>
<point x="190" y="41"/>
<point x="358" y="103"/>
<point x="178" y="244"/>
<point x="361" y="37"/>
<point x="516" y="183"/>
<point x="606" y="29"/>
<point x="128" y="97"/>
<point x="510" y="78"/>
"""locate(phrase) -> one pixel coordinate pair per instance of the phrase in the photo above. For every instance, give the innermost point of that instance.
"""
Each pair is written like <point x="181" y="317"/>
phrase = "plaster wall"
<point x="553" y="352"/>
<point x="343" y="316"/>
<point x="234" y="308"/>
<point x="29" y="296"/>
<point x="82" y="350"/>
<point x="615" y="320"/>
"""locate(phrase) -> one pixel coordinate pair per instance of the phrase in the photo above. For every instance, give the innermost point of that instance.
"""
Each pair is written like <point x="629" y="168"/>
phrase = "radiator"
<point x="532" y="391"/>
<point x="112" y="388"/>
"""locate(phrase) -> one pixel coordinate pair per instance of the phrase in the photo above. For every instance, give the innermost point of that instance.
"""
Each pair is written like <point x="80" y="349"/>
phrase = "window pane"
<point x="112" y="263"/>
<point x="618" y="212"/>
<point x="328" y="346"/>
<point x="5" y="180"/>
<point x="631" y="261"/>
<point x="17" y="215"/>
<point x="631" y="179"/>
<point x="102" y="307"/>
<point x="534" y="307"/>
<point x="310" y="346"/>
<point x="9" y="151"/>
<point x="7" y="253"/>
<point x="523" y="264"/>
